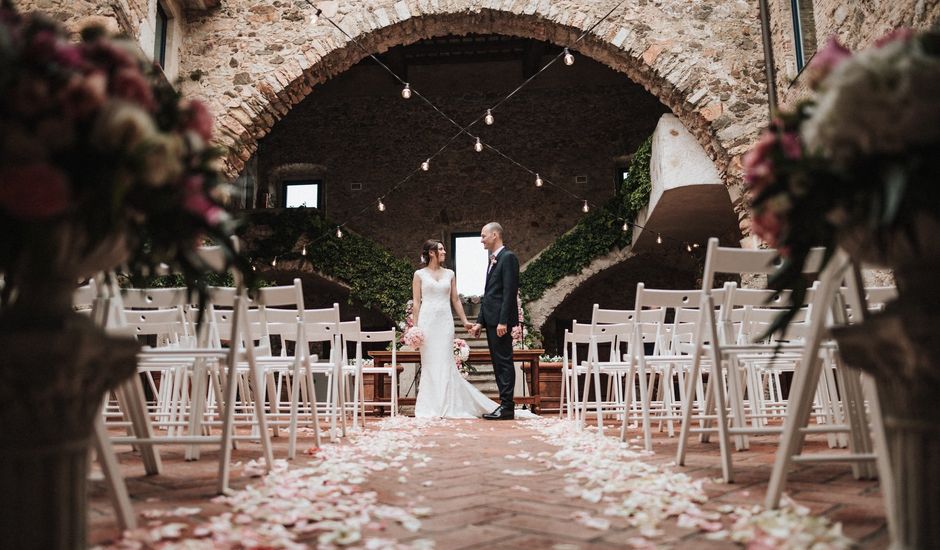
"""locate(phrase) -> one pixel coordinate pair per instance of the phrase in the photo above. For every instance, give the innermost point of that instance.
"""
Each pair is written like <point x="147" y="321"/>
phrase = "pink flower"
<point x="767" y="225"/>
<point x="791" y="146"/>
<point x="902" y="34"/>
<point x="33" y="192"/>
<point x="128" y="83"/>
<point x="199" y="120"/>
<point x="413" y="337"/>
<point x="198" y="203"/>
<point x="757" y="162"/>
<point x="826" y="60"/>
<point x="84" y="95"/>
<point x="69" y="55"/>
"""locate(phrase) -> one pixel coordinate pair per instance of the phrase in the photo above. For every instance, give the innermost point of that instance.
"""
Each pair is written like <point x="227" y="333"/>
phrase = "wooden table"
<point x="529" y="356"/>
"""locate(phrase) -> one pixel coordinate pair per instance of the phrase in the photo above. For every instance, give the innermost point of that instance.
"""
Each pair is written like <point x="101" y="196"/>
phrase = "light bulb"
<point x="569" y="57"/>
<point x="406" y="91"/>
<point x="426" y="165"/>
<point x="688" y="248"/>
<point x="659" y="239"/>
<point x="254" y="268"/>
<point x="538" y="180"/>
<point x="625" y="227"/>
<point x="694" y="245"/>
<point x="274" y="262"/>
<point x="478" y="146"/>
<point x="488" y="119"/>
<point x="339" y="232"/>
<point x="304" y="251"/>
<point x="381" y="206"/>
<point x="585" y="208"/>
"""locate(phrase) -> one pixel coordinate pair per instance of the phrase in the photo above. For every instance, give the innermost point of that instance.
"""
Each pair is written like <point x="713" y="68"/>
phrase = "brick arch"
<point x="699" y="61"/>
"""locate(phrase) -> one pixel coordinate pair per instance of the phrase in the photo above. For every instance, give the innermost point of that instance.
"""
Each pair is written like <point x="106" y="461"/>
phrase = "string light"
<point x="625" y="226"/>
<point x="274" y="262"/>
<point x="569" y="57"/>
<point x="304" y="251"/>
<point x="488" y="119"/>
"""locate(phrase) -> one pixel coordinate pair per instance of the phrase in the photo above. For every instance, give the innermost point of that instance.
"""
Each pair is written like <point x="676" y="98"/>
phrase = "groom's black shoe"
<point x="501" y="413"/>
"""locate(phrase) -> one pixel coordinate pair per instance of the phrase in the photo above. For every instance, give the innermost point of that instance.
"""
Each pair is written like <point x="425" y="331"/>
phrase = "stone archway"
<point x="702" y="61"/>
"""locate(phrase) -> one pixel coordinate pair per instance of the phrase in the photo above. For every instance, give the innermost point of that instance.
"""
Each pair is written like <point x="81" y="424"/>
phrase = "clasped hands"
<point x="475" y="328"/>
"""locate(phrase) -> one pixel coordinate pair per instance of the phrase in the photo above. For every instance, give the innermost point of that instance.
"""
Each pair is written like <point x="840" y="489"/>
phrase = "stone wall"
<point x="582" y="120"/>
<point x="855" y="24"/>
<point x="703" y="60"/>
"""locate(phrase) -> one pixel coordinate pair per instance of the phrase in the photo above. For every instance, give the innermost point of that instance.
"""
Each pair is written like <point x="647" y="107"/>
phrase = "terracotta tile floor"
<point x="475" y="504"/>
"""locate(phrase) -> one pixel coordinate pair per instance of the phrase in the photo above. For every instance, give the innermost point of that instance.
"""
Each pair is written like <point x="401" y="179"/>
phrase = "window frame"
<point x="287" y="183"/>
<point x="161" y="35"/>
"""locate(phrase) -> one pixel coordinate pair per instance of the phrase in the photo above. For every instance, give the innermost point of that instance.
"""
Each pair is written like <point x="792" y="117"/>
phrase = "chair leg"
<point x="117" y="489"/>
<point x="294" y="405"/>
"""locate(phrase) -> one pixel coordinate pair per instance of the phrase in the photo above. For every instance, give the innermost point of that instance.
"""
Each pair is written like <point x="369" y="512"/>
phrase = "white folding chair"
<point x="861" y="455"/>
<point x="389" y="337"/>
<point x="321" y="328"/>
<point x="722" y="346"/>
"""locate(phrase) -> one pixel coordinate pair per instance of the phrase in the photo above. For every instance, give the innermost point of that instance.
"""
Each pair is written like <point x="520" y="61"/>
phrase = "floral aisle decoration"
<point x="857" y="166"/>
<point x="102" y="163"/>
<point x="859" y="156"/>
<point x="462" y="358"/>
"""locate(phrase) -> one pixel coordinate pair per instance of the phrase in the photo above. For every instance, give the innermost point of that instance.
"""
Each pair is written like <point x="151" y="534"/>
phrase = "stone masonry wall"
<point x="703" y="59"/>
<point x="855" y="24"/>
<point x="574" y="121"/>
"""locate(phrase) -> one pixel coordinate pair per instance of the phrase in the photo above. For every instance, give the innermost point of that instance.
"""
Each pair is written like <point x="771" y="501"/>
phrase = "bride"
<point x="443" y="392"/>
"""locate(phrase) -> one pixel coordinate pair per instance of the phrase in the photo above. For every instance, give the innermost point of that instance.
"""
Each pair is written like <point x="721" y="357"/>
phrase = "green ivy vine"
<point x="596" y="234"/>
<point x="375" y="277"/>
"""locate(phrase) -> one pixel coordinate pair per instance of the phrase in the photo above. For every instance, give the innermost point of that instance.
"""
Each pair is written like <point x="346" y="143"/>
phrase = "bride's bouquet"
<point x="461" y="356"/>
<point x="413" y="338"/>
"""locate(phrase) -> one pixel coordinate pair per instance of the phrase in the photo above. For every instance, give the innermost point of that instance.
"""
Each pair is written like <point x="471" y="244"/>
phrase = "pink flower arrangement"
<point x="97" y="144"/>
<point x="413" y="337"/>
<point x="858" y="156"/>
<point x="462" y="356"/>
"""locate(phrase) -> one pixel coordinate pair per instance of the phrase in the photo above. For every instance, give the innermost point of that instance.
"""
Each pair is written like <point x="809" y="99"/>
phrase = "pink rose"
<point x="128" y="83"/>
<point x="199" y="120"/>
<point x="198" y="203"/>
<point x="902" y="34"/>
<point x="70" y="55"/>
<point x="757" y="162"/>
<point x="33" y="192"/>
<point x="826" y="60"/>
<point x="767" y="225"/>
<point x="85" y="95"/>
<point x="791" y="146"/>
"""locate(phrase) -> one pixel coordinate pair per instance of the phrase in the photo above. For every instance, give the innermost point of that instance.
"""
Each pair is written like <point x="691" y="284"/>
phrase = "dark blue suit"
<point x="500" y="307"/>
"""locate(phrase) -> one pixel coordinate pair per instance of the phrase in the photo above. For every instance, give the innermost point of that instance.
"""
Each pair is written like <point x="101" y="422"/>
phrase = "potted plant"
<point x="101" y="163"/>
<point x="857" y="166"/>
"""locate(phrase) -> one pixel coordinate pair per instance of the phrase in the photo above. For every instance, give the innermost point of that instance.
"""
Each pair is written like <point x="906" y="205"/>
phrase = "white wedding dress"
<point x="443" y="392"/>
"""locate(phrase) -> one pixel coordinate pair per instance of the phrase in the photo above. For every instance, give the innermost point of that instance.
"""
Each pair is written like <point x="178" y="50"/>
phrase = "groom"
<point x="499" y="313"/>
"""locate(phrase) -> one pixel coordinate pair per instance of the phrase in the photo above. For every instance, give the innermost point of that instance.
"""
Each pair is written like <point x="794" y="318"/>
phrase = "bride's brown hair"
<point x="429" y="245"/>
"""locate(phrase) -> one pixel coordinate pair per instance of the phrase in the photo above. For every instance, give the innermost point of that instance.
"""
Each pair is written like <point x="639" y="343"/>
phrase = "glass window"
<point x="470" y="260"/>
<point x="159" y="45"/>
<point x="303" y="194"/>
<point x="804" y="31"/>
